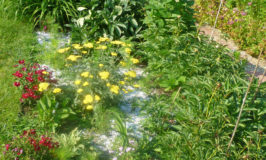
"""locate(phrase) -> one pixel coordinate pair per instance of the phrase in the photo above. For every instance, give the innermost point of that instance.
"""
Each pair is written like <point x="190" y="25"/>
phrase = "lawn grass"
<point x="16" y="42"/>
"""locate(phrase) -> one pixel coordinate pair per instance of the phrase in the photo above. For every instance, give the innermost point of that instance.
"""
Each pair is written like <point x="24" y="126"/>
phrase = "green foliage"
<point x="51" y="112"/>
<point x="60" y="10"/>
<point x="72" y="145"/>
<point x="114" y="18"/>
<point x="243" y="20"/>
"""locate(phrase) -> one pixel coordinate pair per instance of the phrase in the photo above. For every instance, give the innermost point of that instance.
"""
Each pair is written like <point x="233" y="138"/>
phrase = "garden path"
<point x="219" y="37"/>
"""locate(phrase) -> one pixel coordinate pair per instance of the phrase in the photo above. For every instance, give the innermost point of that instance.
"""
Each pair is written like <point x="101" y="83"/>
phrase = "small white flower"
<point x="81" y="8"/>
<point x="128" y="149"/>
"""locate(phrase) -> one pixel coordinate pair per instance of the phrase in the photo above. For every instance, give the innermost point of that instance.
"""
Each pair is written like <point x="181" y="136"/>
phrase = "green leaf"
<point x="134" y="22"/>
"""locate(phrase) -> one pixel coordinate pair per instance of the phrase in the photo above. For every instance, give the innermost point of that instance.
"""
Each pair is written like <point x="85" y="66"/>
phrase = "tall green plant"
<point x="60" y="10"/>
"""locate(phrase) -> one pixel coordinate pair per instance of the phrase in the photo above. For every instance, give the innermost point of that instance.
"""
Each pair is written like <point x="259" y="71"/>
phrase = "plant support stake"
<point x="243" y="103"/>
<point x="220" y="6"/>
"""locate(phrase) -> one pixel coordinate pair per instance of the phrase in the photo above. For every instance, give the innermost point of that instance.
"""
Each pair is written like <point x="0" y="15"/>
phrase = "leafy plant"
<point x="51" y="112"/>
<point x="112" y="18"/>
<point x="60" y="10"/>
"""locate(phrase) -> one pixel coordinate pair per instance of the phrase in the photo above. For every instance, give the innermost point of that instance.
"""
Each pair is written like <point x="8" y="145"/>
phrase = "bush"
<point x="112" y="18"/>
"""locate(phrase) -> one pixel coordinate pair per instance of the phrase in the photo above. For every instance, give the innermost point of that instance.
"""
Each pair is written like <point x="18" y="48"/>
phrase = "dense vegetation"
<point x="242" y="20"/>
<point x="55" y="99"/>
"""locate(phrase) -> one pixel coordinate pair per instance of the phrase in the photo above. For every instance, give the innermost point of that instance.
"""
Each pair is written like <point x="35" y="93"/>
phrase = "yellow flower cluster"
<point x="114" y="89"/>
<point x="88" y="45"/>
<point x="85" y="74"/>
<point x="77" y="46"/>
<point x="57" y="90"/>
<point x="102" y="47"/>
<point x="134" y="60"/>
<point x="114" y="54"/>
<point x="73" y="58"/>
<point x="43" y="86"/>
<point x="104" y="75"/>
<point x="131" y="74"/>
<point x="88" y="99"/>
<point x="63" y="50"/>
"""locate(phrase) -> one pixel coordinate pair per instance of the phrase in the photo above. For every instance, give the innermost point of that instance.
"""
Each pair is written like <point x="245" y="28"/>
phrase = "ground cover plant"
<point x="59" y="97"/>
<point x="244" y="21"/>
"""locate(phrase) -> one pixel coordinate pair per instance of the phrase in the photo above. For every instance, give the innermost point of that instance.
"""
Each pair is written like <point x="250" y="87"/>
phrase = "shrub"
<point x="112" y="18"/>
<point x="99" y="78"/>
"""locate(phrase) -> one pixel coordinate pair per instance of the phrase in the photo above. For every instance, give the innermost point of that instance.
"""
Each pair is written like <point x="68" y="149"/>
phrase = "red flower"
<point x="30" y="79"/>
<point x="25" y="133"/>
<point x="30" y="74"/>
<point x="33" y="131"/>
<point x="7" y="146"/>
<point x="41" y="79"/>
<point x="25" y="95"/>
<point x="16" y="84"/>
<point x="18" y="74"/>
<point x="21" y="61"/>
<point x="24" y="68"/>
<point x="35" y="87"/>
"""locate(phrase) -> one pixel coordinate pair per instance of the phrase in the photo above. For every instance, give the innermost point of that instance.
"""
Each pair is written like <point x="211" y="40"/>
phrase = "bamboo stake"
<point x="243" y="103"/>
<point x="216" y="19"/>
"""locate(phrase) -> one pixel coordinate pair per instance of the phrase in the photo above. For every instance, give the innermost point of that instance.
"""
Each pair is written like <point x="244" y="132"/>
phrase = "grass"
<point x="17" y="42"/>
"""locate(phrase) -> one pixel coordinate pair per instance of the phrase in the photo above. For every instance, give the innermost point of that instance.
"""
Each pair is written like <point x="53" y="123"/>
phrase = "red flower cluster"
<point x="29" y="76"/>
<point x="29" y="142"/>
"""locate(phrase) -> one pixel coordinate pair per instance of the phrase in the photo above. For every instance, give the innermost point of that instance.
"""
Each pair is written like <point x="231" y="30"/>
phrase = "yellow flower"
<point x="134" y="60"/>
<point x="43" y="86"/>
<point x="85" y="84"/>
<point x="101" y="47"/>
<point x="128" y="50"/>
<point x="88" y="99"/>
<point x="125" y="91"/>
<point x="104" y="75"/>
<point x="91" y="76"/>
<point x="84" y="52"/>
<point x="57" y="90"/>
<point x="44" y="72"/>
<point x="97" y="98"/>
<point x="100" y="65"/>
<point x="108" y="84"/>
<point x="77" y="82"/>
<point x="123" y="63"/>
<point x="129" y="45"/>
<point x="73" y="57"/>
<point x="85" y="74"/>
<point x="88" y="45"/>
<point x="80" y="90"/>
<point x="117" y="42"/>
<point x="114" y="54"/>
<point x="122" y="82"/>
<point x="126" y="78"/>
<point x="89" y="107"/>
<point x="77" y="46"/>
<point x="114" y="89"/>
<point x="103" y="39"/>
<point x="131" y="74"/>
<point x="136" y="86"/>
<point x="63" y="50"/>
